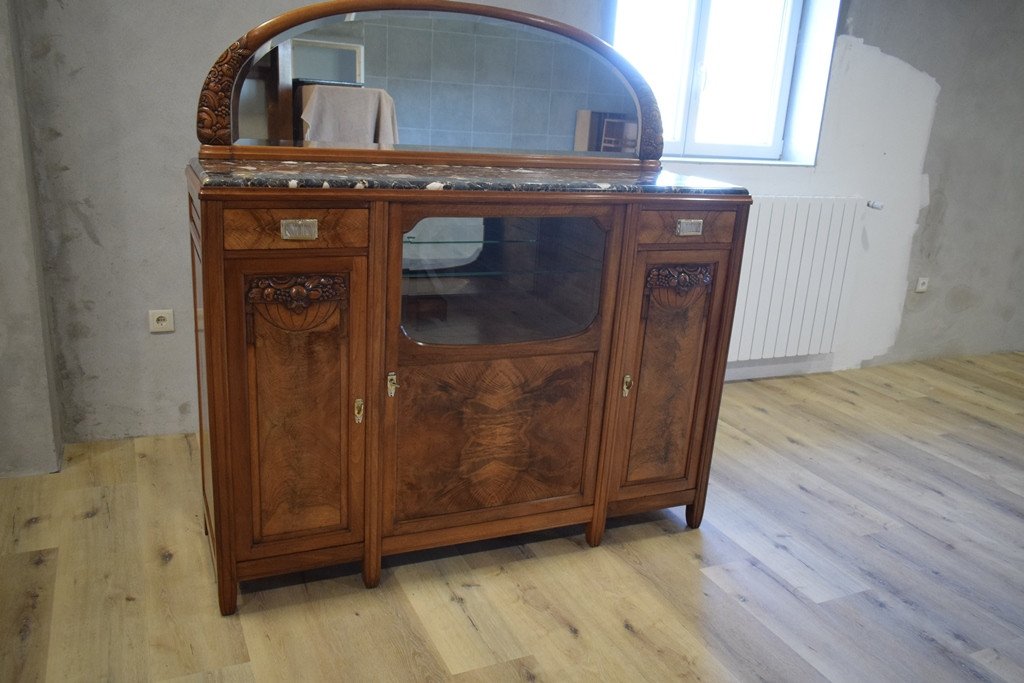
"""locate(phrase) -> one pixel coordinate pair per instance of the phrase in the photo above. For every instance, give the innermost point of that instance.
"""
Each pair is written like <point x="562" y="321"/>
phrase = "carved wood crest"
<point x="213" y="119"/>
<point x="295" y="302"/>
<point x="678" y="286"/>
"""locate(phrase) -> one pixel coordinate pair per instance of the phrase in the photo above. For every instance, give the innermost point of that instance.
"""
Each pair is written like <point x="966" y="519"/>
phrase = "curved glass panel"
<point x="500" y="280"/>
<point x="435" y="81"/>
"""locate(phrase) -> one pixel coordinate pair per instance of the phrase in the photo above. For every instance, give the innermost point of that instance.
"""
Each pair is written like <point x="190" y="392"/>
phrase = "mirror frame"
<point x="218" y="101"/>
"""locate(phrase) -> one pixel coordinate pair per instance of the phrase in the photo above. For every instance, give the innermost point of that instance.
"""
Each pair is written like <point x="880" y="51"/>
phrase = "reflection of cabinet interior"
<point x="384" y="367"/>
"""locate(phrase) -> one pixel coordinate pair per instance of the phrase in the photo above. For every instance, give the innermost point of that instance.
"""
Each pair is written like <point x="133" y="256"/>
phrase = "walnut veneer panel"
<point x="659" y="227"/>
<point x="261" y="228"/>
<point x="296" y="344"/>
<point x="676" y="302"/>
<point x="485" y="434"/>
<point x="298" y="373"/>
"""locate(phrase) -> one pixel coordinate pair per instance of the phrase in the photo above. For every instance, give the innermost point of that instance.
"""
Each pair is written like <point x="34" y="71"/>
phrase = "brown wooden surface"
<point x="375" y="397"/>
<point x="480" y="440"/>
<point x="301" y="424"/>
<point x="659" y="227"/>
<point x="861" y="526"/>
<point x="298" y="462"/>
<point x="477" y="436"/>
<point x="211" y="346"/>
<point x="667" y="372"/>
<point x="261" y="228"/>
<point x="721" y="334"/>
<point x="462" y="158"/>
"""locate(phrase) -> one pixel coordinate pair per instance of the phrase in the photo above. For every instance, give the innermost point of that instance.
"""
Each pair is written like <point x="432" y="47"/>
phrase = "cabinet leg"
<point x="594" y="535"/>
<point x="694" y="514"/>
<point x="227" y="594"/>
<point x="595" y="531"/>
<point x="371" y="571"/>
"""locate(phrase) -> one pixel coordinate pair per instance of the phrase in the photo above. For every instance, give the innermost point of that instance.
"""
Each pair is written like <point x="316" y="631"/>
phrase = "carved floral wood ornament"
<point x="213" y="120"/>
<point x="681" y="279"/>
<point x="216" y="114"/>
<point x="297" y="292"/>
<point x="295" y="302"/>
<point x="678" y="286"/>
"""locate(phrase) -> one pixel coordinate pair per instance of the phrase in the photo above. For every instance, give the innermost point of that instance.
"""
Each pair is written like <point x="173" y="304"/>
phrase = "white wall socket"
<point x="922" y="285"/>
<point x="161" y="320"/>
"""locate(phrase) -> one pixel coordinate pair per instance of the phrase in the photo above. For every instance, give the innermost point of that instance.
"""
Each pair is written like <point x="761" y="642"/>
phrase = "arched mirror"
<point x="353" y="79"/>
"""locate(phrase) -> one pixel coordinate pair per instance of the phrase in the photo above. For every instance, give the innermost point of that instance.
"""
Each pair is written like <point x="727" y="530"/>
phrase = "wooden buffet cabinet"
<point x="403" y="349"/>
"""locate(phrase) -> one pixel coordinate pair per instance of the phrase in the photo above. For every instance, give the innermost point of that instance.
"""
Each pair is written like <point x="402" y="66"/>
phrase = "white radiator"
<point x="794" y="265"/>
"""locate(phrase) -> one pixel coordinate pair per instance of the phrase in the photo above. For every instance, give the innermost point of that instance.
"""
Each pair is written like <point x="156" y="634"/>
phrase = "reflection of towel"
<point x="350" y="117"/>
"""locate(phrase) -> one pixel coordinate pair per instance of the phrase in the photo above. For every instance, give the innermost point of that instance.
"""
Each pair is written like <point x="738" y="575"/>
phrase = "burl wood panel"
<point x="299" y="369"/>
<point x="261" y="228"/>
<point x="477" y="435"/>
<point x="674" y="322"/>
<point x="659" y="227"/>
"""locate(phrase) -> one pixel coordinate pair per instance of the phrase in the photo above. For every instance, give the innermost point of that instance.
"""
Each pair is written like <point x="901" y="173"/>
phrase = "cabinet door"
<point x="498" y="322"/>
<point x="673" y="303"/>
<point x="297" y="339"/>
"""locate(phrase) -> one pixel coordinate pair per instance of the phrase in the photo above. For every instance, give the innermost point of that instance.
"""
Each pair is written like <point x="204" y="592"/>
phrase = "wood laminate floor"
<point x="861" y="526"/>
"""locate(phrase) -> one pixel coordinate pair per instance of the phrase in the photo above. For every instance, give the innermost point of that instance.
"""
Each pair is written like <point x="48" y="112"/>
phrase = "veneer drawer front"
<point x="686" y="227"/>
<point x="296" y="228"/>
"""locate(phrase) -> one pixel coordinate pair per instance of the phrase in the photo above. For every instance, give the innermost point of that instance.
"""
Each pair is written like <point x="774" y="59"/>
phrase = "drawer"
<point x="319" y="229"/>
<point x="686" y="227"/>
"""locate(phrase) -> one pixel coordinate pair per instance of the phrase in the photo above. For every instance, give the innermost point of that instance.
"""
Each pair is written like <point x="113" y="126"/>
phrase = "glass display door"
<point x="499" y="343"/>
<point x="500" y="280"/>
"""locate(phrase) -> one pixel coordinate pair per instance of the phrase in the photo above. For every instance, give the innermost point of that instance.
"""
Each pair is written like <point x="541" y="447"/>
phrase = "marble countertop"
<point x="360" y="176"/>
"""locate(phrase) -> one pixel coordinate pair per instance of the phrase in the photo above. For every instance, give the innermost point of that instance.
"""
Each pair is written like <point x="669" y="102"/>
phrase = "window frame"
<point x="805" y="18"/>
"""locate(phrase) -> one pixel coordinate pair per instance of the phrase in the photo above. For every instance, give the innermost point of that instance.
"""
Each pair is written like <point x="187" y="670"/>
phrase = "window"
<point x="742" y="79"/>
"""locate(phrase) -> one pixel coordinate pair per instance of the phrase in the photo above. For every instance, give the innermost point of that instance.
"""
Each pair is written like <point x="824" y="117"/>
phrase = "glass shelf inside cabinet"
<point x="500" y="280"/>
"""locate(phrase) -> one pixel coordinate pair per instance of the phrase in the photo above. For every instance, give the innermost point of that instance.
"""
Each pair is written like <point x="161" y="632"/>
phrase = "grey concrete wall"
<point x="111" y="89"/>
<point x="971" y="237"/>
<point x="29" y="442"/>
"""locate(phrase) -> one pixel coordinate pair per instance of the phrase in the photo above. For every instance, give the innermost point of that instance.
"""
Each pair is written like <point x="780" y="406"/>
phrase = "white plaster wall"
<point x="29" y="442"/>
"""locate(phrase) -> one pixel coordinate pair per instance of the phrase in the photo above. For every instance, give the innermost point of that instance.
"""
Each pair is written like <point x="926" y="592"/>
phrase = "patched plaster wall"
<point x="970" y="243"/>
<point x="924" y="113"/>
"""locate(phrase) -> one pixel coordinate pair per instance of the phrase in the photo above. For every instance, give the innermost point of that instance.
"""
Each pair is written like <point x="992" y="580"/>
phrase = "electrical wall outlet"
<point x="922" y="285"/>
<point x="161" y="320"/>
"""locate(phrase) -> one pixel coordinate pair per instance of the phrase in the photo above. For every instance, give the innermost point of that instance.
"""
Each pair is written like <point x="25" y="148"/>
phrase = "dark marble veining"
<point x="327" y="175"/>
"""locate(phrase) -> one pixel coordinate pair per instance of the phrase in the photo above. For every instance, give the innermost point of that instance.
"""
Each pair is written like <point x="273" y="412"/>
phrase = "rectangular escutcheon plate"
<point x="299" y="229"/>
<point x="689" y="226"/>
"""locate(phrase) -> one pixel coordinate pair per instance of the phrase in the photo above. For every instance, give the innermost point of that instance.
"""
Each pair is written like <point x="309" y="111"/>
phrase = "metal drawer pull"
<point x="627" y="384"/>
<point x="360" y="410"/>
<point x="299" y="229"/>
<point x="689" y="226"/>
